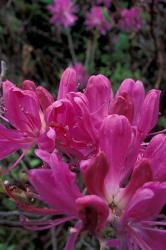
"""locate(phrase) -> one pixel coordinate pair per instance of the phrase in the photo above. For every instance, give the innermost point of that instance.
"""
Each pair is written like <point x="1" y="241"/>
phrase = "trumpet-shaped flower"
<point x="77" y="117"/>
<point x="75" y="133"/>
<point x="24" y="111"/>
<point x="127" y="184"/>
<point x="66" y="199"/>
<point x="120" y="189"/>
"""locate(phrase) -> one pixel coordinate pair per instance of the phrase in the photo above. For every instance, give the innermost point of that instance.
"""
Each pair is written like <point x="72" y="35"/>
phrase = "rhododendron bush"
<point x="82" y="149"/>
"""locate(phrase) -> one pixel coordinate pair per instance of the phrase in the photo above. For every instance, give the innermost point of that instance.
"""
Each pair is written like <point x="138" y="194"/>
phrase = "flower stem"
<point x="71" y="46"/>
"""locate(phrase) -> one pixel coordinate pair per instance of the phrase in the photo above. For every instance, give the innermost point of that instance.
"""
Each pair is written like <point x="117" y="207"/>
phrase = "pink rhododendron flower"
<point x="63" y="12"/>
<point x="130" y="20"/>
<point x="75" y="132"/>
<point x="65" y="197"/>
<point x="135" y="202"/>
<point x="141" y="110"/>
<point x="141" y="226"/>
<point x="120" y="190"/>
<point x="24" y="111"/>
<point x="72" y="122"/>
<point x="76" y="117"/>
<point x="95" y="19"/>
<point x="130" y="100"/>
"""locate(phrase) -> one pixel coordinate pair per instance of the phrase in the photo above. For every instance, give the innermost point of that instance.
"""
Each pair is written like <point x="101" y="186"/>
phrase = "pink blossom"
<point x="135" y="202"/>
<point x="118" y="196"/>
<point x="95" y="19"/>
<point x="72" y="122"/>
<point x="130" y="100"/>
<point x="63" y="13"/>
<point x="141" y="110"/>
<point x="66" y="199"/>
<point x="24" y="111"/>
<point x="77" y="117"/>
<point x="130" y="20"/>
<point x="75" y="132"/>
<point x="141" y="226"/>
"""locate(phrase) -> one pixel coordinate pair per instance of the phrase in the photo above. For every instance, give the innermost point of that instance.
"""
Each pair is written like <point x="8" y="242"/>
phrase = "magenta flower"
<point x="130" y="20"/>
<point x="126" y="182"/>
<point x="63" y="13"/>
<point x="66" y="199"/>
<point x="120" y="192"/>
<point x="95" y="19"/>
<point x="141" y="225"/>
<point x="72" y="123"/>
<point x="75" y="133"/>
<point x="130" y="100"/>
<point x="69" y="116"/>
<point x="140" y="109"/>
<point x="77" y="117"/>
<point x="24" y="111"/>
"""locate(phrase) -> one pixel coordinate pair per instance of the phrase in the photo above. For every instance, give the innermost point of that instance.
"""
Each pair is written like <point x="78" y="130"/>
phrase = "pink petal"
<point x="115" y="139"/>
<point x="43" y="155"/>
<point x="24" y="114"/>
<point x="93" y="211"/>
<point x="46" y="141"/>
<point x="50" y="191"/>
<point x="147" y="202"/>
<point x="94" y="172"/>
<point x="142" y="173"/>
<point x="99" y="94"/>
<point x="156" y="151"/>
<point x="11" y="140"/>
<point x="44" y="97"/>
<point x="149" y="112"/>
<point x="123" y="105"/>
<point x="135" y="91"/>
<point x="29" y="85"/>
<point x="68" y="83"/>
<point x="154" y="238"/>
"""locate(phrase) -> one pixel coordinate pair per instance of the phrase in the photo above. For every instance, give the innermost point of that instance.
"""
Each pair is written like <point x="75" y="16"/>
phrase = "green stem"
<point x="93" y="51"/>
<point x="71" y="46"/>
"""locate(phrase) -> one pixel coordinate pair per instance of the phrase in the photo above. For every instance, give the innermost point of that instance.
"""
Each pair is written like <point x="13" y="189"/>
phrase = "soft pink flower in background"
<point x="130" y="20"/>
<point x="63" y="13"/>
<point x="95" y="19"/>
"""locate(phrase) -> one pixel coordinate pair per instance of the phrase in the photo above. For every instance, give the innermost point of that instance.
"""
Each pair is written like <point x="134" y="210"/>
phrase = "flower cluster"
<point x="98" y="16"/>
<point x="123" y="178"/>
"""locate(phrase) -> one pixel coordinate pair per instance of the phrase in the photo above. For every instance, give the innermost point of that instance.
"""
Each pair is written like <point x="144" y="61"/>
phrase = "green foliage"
<point x="11" y="247"/>
<point x="162" y="122"/>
